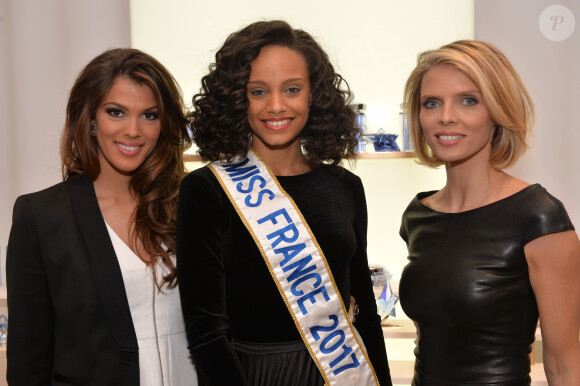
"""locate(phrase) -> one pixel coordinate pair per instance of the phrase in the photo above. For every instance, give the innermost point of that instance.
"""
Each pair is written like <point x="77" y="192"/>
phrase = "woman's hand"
<point x="353" y="310"/>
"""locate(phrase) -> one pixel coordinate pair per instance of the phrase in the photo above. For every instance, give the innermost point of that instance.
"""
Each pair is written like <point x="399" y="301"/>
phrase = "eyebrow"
<point x="291" y="80"/>
<point x="463" y="93"/>
<point x="125" y="107"/>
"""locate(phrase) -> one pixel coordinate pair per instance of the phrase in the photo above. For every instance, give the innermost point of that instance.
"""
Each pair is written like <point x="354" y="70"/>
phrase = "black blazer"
<point x="70" y="322"/>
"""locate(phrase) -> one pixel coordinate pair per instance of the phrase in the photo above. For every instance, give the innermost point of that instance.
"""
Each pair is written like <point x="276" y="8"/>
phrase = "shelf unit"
<point x="385" y="155"/>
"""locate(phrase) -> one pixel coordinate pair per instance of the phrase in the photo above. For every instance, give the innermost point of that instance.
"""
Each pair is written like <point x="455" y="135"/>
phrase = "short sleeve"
<point x="546" y="214"/>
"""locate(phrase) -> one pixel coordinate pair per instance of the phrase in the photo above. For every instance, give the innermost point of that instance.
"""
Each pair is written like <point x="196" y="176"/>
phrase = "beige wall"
<point x="373" y="43"/>
<point x="551" y="72"/>
<point x="43" y="45"/>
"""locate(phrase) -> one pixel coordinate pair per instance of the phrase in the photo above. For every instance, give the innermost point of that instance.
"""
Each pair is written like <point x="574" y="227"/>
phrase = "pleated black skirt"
<point x="278" y="364"/>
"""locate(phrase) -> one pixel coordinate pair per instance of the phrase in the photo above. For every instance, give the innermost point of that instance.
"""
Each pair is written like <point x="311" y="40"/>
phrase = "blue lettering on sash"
<point x="299" y="265"/>
<point x="289" y="252"/>
<point x="312" y="297"/>
<point x="258" y="202"/>
<point x="272" y="217"/>
<point x="249" y="174"/>
<point x="327" y="346"/>
<point x="314" y="275"/>
<point x="237" y="172"/>
<point x="300" y="268"/>
<point x="299" y="275"/>
<point x="281" y="235"/>
<point x="251" y="183"/>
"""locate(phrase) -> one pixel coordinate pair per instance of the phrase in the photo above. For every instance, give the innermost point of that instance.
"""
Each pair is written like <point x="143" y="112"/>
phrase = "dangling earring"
<point x="93" y="129"/>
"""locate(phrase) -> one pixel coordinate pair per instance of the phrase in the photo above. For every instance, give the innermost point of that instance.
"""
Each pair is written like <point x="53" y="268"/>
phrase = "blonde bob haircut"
<point x="504" y="94"/>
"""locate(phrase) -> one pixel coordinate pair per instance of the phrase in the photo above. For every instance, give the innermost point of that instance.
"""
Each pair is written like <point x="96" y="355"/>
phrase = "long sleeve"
<point x="30" y="340"/>
<point x="367" y="322"/>
<point x="202" y="283"/>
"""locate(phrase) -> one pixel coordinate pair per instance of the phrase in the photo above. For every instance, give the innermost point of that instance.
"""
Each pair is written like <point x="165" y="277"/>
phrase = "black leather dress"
<point x="467" y="287"/>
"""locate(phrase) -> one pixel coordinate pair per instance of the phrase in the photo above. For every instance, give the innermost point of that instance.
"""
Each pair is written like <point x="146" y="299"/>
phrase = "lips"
<point x="277" y="123"/>
<point x="449" y="139"/>
<point x="128" y="149"/>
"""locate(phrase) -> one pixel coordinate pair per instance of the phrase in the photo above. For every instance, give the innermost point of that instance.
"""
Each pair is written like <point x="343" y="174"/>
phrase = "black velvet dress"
<point x="239" y="329"/>
<point x="467" y="287"/>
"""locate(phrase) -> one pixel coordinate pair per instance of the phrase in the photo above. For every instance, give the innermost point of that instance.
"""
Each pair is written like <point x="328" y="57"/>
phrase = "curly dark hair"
<point x="155" y="184"/>
<point x="220" y="120"/>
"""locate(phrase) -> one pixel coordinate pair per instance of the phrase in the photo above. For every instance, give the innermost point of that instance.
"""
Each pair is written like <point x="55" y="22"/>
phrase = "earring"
<point x="93" y="129"/>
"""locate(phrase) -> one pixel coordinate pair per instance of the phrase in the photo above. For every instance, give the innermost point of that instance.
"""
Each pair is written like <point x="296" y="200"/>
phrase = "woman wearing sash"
<point x="488" y="252"/>
<point x="273" y="95"/>
<point x="92" y="292"/>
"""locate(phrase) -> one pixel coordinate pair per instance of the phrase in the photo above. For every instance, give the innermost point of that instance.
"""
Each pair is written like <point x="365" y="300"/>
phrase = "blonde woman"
<point x="488" y="252"/>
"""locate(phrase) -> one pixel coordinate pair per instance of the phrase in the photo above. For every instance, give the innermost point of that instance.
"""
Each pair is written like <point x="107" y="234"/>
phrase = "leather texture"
<point x="466" y="287"/>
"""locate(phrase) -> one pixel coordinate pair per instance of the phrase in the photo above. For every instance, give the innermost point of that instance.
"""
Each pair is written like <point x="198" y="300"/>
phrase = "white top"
<point x="158" y="320"/>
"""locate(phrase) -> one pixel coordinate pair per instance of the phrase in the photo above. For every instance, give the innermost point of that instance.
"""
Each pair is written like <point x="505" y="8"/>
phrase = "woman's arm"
<point x="201" y="278"/>
<point x="30" y="335"/>
<point x="554" y="265"/>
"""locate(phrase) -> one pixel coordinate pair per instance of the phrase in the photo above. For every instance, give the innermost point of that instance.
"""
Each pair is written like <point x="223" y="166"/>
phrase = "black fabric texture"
<point x="227" y="291"/>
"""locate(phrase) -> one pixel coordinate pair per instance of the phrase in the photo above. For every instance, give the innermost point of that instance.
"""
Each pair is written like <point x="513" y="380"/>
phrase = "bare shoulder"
<point x="511" y="185"/>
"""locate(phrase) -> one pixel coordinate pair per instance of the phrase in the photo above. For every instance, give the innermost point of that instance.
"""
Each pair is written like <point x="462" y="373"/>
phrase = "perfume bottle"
<point x="360" y="122"/>
<point x="404" y="130"/>
<point x="3" y="330"/>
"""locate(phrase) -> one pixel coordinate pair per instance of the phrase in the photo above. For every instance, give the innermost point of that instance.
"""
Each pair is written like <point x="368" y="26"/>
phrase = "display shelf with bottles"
<point x="378" y="155"/>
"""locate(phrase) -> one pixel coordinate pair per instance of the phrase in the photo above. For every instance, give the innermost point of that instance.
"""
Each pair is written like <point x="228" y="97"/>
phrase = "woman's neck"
<point x="287" y="161"/>
<point x="473" y="185"/>
<point x="118" y="206"/>
<point x="113" y="186"/>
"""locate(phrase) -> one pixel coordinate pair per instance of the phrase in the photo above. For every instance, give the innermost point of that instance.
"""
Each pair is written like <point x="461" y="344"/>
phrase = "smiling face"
<point x="454" y="120"/>
<point x="128" y="127"/>
<point x="279" y="94"/>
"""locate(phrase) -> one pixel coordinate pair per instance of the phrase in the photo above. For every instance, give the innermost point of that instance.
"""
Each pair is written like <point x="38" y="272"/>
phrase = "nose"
<point x="276" y="104"/>
<point x="131" y="129"/>
<point x="447" y="115"/>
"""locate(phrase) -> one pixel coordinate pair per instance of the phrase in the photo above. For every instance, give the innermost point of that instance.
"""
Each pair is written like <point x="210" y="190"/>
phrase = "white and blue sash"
<point x="299" y="269"/>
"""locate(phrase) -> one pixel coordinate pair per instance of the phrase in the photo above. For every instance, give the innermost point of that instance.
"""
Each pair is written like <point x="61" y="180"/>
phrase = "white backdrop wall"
<point x="372" y="43"/>
<point x="551" y="72"/>
<point x="43" y="46"/>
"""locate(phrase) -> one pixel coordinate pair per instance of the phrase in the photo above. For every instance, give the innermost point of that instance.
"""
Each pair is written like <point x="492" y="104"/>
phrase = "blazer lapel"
<point x="103" y="261"/>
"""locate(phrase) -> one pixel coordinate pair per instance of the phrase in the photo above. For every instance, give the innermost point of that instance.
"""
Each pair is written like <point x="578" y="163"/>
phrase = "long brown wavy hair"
<point x="220" y="120"/>
<point x="155" y="184"/>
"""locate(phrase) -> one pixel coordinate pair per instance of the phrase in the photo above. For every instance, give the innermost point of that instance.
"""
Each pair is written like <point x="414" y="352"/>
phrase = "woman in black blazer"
<point x="92" y="291"/>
